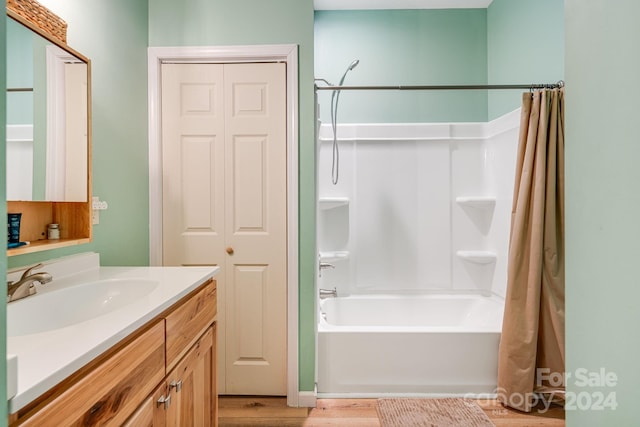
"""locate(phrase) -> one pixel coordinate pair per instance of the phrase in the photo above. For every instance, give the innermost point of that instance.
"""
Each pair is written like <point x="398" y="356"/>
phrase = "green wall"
<point x="20" y="57"/>
<point x="456" y="46"/>
<point x="227" y="22"/>
<point x="26" y="68"/>
<point x="3" y="217"/>
<point x="603" y="204"/>
<point x="113" y="34"/>
<point x="403" y="47"/>
<point x="525" y="45"/>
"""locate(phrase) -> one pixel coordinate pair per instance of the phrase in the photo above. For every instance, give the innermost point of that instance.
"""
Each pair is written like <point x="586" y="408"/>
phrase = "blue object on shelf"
<point x="13" y="227"/>
<point x="12" y="245"/>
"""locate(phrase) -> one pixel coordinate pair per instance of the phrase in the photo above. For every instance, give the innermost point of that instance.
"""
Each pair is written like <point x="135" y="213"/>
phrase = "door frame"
<point x="287" y="53"/>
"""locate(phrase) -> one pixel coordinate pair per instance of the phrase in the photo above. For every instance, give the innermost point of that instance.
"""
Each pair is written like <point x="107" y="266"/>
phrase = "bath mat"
<point x="446" y="412"/>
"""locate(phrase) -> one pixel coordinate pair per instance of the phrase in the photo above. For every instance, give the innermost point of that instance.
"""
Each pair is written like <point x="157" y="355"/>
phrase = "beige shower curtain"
<point x="531" y="357"/>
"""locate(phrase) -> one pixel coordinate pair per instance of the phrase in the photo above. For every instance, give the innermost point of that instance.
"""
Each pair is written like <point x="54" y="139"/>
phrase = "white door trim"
<point x="233" y="54"/>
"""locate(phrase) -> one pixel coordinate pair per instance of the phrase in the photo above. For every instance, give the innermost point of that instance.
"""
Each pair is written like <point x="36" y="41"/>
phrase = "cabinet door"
<point x="151" y="413"/>
<point x="192" y="386"/>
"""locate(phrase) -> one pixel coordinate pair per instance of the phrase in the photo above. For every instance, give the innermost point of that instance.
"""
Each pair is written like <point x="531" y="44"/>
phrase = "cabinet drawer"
<point x="186" y="323"/>
<point x="111" y="392"/>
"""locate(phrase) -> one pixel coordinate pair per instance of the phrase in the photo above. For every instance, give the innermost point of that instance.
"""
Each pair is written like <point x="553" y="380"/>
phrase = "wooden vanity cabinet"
<point x="112" y="390"/>
<point x="165" y="375"/>
<point x="186" y="324"/>
<point x="187" y="396"/>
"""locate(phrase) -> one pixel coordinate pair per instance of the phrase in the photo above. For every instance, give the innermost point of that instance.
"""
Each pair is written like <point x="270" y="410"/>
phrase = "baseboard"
<point x="307" y="399"/>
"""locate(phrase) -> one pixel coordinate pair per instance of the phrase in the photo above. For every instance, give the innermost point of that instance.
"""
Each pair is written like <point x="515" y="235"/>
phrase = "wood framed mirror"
<point x="48" y="136"/>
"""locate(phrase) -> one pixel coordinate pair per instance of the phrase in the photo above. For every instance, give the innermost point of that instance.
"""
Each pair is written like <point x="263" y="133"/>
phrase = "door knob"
<point x="230" y="250"/>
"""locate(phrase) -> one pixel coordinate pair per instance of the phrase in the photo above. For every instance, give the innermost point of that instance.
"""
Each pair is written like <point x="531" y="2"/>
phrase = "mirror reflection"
<point x="47" y="123"/>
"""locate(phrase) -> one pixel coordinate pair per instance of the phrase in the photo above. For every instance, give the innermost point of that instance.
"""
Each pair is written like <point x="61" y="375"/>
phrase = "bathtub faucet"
<point x="324" y="265"/>
<point x="326" y="293"/>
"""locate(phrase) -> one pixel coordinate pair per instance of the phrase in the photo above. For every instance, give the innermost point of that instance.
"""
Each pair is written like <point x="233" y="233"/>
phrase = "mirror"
<point x="47" y="118"/>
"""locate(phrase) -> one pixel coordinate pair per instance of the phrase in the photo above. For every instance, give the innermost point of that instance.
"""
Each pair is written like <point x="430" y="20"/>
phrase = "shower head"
<point x="349" y="68"/>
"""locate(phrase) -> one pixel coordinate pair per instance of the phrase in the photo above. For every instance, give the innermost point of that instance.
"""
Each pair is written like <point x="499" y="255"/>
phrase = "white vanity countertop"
<point x="46" y="358"/>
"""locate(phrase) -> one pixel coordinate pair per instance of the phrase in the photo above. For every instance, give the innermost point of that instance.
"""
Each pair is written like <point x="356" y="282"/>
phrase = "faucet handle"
<point x="27" y="272"/>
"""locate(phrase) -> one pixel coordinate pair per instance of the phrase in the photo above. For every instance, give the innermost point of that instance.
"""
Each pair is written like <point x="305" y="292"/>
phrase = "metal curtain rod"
<point x="444" y="87"/>
<point x="19" y="89"/>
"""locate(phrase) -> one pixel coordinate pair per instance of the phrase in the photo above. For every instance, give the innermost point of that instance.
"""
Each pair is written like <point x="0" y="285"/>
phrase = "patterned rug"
<point x="447" y="412"/>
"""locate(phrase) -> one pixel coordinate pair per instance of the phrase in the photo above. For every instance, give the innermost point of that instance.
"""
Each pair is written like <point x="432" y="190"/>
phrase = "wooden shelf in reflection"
<point x="45" y="245"/>
<point x="74" y="219"/>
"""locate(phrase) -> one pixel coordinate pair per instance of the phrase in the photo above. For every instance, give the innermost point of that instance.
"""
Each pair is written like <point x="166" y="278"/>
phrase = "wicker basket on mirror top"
<point x="41" y="17"/>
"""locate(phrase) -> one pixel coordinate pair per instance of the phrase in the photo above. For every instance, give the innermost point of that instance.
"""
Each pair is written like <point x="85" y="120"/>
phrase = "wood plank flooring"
<point x="273" y="411"/>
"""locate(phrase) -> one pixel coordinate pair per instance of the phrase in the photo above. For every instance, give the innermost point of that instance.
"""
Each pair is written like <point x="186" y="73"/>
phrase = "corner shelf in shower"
<point x="326" y="203"/>
<point x="333" y="256"/>
<point x="477" y="257"/>
<point x="476" y="202"/>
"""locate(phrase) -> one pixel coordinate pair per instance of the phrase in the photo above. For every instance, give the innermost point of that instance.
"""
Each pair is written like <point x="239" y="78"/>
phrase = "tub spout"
<point x="326" y="293"/>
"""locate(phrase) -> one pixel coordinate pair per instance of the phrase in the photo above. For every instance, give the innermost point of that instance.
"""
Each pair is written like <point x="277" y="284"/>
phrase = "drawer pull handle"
<point x="166" y="401"/>
<point x="176" y="384"/>
<point x="230" y="250"/>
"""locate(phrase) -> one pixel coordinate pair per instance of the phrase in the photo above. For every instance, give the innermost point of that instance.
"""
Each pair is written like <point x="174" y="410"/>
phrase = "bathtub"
<point x="427" y="344"/>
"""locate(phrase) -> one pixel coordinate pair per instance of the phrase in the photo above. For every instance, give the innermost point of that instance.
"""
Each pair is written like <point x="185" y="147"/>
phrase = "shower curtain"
<point x="531" y="357"/>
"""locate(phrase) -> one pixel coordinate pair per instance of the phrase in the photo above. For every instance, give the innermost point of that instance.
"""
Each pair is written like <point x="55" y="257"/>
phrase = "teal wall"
<point x="525" y="41"/>
<point x="3" y="218"/>
<point x="603" y="203"/>
<point x="438" y="47"/>
<point x="114" y="35"/>
<point x="227" y="22"/>
<point x="39" y="115"/>
<point x="26" y="62"/>
<point x="403" y="47"/>
<point x="19" y="73"/>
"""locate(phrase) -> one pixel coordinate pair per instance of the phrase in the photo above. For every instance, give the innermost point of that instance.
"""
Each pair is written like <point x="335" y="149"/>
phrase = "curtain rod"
<point x="442" y="87"/>
<point x="19" y="89"/>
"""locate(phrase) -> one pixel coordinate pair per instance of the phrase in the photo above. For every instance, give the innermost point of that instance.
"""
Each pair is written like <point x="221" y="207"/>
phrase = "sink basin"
<point x="57" y="309"/>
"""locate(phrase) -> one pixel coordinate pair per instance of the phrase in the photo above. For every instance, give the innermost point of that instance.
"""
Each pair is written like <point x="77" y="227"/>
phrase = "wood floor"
<point x="273" y="411"/>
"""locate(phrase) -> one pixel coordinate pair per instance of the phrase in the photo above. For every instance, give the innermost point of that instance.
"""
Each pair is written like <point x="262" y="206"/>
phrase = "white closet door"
<point x="256" y="220"/>
<point x="192" y="164"/>
<point x="224" y="203"/>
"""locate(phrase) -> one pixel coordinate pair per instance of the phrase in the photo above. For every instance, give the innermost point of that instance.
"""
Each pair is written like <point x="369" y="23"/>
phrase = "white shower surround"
<point x="417" y="225"/>
<point x="418" y="207"/>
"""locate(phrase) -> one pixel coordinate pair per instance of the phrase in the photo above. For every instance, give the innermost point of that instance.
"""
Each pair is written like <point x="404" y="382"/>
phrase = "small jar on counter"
<point x="53" y="232"/>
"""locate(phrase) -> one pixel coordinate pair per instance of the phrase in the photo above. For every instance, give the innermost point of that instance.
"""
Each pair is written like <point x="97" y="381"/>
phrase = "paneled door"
<point x="224" y="203"/>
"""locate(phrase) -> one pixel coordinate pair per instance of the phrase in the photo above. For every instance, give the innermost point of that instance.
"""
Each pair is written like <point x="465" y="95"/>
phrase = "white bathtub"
<point x="433" y="344"/>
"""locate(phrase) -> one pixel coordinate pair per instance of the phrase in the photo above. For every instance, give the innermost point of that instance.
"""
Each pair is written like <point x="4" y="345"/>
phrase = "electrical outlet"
<point x="97" y="206"/>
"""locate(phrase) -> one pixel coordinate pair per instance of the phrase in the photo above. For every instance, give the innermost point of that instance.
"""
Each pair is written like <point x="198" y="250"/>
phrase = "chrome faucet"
<point x="25" y="287"/>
